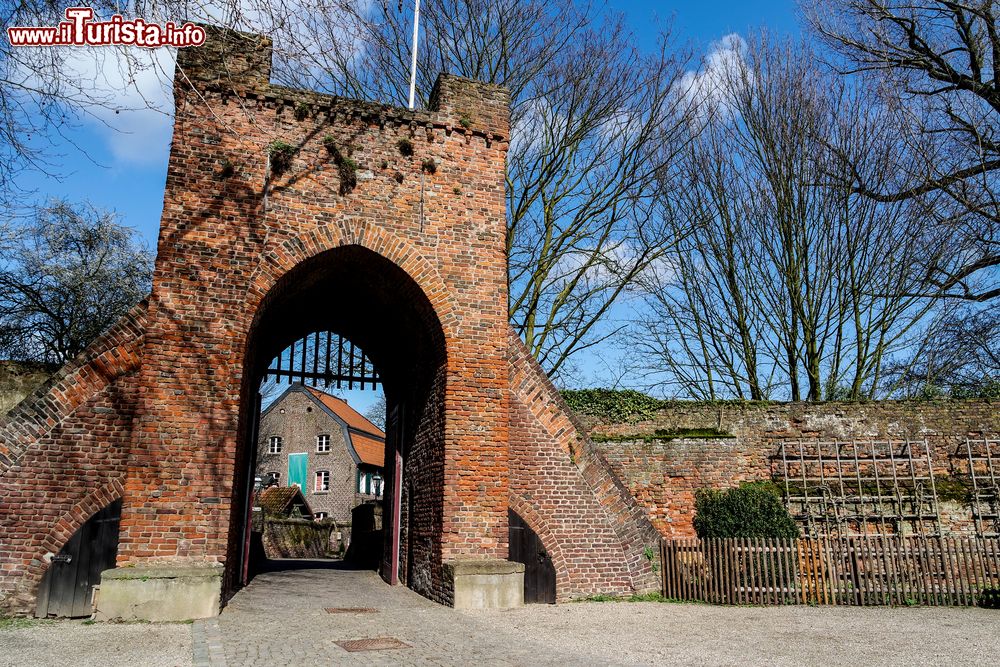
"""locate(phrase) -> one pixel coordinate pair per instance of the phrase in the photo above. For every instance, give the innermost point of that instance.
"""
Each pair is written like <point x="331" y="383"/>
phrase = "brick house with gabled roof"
<point x="320" y="443"/>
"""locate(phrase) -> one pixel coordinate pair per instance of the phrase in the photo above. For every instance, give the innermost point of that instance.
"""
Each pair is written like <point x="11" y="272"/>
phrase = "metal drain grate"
<point x="351" y="610"/>
<point x="373" y="644"/>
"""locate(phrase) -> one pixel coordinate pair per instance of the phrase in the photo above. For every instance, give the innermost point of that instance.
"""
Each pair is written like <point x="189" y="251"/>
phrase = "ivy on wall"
<point x="613" y="405"/>
<point x="627" y="405"/>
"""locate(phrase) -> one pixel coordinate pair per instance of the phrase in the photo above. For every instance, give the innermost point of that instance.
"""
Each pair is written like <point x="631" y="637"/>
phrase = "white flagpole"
<point x="413" y="66"/>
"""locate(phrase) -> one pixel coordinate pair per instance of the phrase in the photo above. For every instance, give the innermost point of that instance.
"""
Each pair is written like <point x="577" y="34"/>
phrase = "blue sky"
<point x="123" y="167"/>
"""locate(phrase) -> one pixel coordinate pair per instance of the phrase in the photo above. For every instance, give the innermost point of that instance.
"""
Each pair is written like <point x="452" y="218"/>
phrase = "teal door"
<point x="298" y="464"/>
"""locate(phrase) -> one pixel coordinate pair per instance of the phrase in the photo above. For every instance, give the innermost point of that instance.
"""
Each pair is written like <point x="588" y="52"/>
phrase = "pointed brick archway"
<point x="357" y="232"/>
<point x="374" y="302"/>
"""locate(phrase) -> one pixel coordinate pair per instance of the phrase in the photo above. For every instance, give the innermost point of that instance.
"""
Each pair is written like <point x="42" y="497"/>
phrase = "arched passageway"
<point x="374" y="304"/>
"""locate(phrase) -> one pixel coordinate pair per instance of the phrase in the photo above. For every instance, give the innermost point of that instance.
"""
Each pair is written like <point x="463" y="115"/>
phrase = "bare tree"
<point x="789" y="281"/>
<point x="959" y="357"/>
<point x="376" y="412"/>
<point x="45" y="92"/>
<point x="934" y="61"/>
<point x="593" y="121"/>
<point x="65" y="277"/>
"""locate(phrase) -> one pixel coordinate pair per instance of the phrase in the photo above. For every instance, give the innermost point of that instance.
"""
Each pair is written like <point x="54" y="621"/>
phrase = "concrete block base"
<point x="159" y="593"/>
<point x="486" y="584"/>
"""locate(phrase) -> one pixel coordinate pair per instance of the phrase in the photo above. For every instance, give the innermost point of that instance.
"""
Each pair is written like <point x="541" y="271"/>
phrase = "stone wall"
<point x="299" y="538"/>
<point x="663" y="474"/>
<point x="20" y="379"/>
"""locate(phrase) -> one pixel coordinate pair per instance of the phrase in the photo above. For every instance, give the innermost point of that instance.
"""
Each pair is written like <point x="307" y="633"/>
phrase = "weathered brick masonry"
<point x="409" y="264"/>
<point x="664" y="474"/>
<point x="63" y="455"/>
<point x="561" y="485"/>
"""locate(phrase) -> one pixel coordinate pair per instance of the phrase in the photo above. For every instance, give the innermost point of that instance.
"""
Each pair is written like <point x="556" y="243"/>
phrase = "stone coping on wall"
<point x="915" y="419"/>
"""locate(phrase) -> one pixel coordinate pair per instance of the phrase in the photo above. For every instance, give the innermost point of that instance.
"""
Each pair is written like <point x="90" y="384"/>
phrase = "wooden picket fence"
<point x="867" y="571"/>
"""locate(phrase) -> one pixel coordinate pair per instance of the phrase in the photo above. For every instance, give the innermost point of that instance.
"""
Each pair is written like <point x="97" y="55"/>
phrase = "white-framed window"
<point x="369" y="484"/>
<point x="322" y="480"/>
<point x="322" y="443"/>
<point x="274" y="444"/>
<point x="319" y="516"/>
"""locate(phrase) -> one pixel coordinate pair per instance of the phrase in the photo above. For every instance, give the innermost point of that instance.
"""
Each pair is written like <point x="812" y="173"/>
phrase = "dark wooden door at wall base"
<point x="68" y="585"/>
<point x="539" y="573"/>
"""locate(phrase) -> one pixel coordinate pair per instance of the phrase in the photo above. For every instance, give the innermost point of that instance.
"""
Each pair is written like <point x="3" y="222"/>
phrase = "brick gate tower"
<point x="288" y="212"/>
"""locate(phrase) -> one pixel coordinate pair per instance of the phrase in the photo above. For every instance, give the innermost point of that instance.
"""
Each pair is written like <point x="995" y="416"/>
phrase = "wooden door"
<point x="539" y="573"/>
<point x="298" y="465"/>
<point x="67" y="588"/>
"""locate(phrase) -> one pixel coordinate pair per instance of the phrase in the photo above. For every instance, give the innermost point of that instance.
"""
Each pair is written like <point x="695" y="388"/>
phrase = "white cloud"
<point x="132" y="87"/>
<point x="725" y="58"/>
<point x="536" y="127"/>
<point x="609" y="265"/>
<point x="135" y="115"/>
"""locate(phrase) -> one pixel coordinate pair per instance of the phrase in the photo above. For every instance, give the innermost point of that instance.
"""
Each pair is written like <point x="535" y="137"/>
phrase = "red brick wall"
<point x="663" y="475"/>
<point x="63" y="454"/>
<point x="561" y="486"/>
<point x="227" y="241"/>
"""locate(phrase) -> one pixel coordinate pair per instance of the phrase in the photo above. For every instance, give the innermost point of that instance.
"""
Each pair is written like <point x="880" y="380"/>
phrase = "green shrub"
<point x="749" y="510"/>
<point x="347" y="168"/>
<point x="988" y="387"/>
<point x="281" y="153"/>
<point x="989" y="598"/>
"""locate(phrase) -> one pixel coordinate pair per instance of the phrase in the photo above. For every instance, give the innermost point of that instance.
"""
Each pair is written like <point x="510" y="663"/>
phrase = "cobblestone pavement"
<point x="280" y="619"/>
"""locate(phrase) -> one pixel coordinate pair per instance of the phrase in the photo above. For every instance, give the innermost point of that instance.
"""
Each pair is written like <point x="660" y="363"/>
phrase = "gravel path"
<point x="652" y="633"/>
<point x="76" y="644"/>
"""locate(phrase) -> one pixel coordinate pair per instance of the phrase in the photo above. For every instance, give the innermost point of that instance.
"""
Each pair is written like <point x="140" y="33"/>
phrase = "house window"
<point x="322" y="443"/>
<point x="274" y="444"/>
<point x="319" y="516"/>
<point x="322" y="480"/>
<point x="368" y="484"/>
